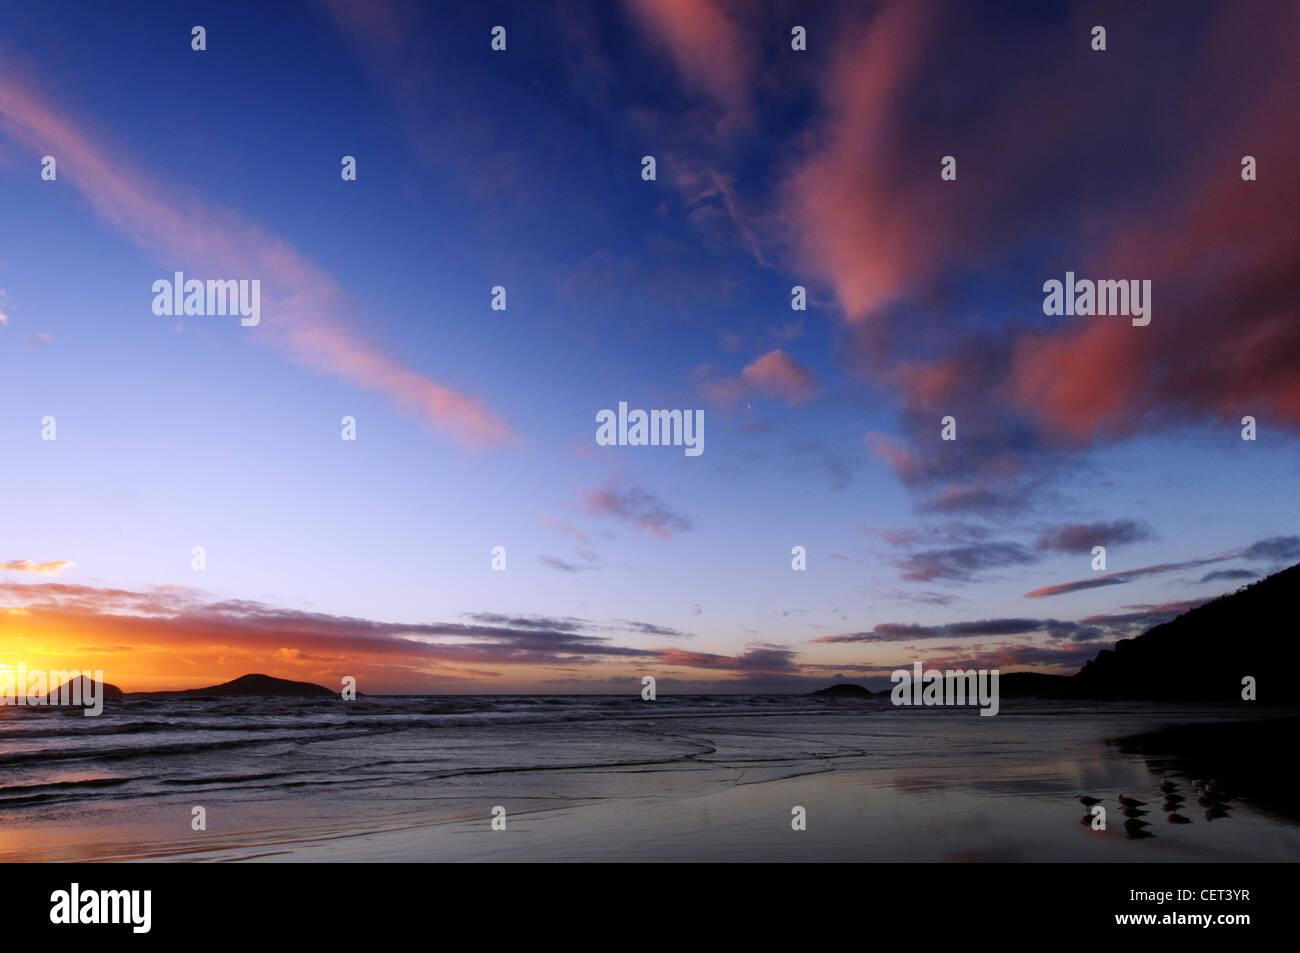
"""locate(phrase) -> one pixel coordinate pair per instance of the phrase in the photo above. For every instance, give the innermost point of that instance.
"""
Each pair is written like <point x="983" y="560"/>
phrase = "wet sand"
<point x="877" y="784"/>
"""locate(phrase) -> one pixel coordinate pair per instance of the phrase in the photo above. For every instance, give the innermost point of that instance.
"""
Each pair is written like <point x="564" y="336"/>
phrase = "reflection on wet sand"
<point x="396" y="782"/>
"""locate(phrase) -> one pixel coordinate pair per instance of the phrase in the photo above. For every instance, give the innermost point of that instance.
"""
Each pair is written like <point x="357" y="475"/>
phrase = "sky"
<point x="475" y="428"/>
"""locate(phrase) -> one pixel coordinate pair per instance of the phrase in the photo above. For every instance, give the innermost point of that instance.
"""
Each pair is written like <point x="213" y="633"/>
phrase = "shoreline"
<point x="876" y="785"/>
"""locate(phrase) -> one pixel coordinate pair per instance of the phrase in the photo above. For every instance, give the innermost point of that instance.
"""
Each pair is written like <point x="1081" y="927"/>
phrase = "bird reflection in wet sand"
<point x="1211" y="795"/>
<point x="1173" y="801"/>
<point x="1218" y="796"/>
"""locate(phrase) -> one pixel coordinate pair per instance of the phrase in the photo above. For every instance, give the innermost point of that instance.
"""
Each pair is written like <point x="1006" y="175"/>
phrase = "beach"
<point x="605" y="778"/>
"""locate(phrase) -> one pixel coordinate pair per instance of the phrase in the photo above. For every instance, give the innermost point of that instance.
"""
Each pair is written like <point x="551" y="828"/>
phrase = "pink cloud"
<point x="1075" y="381"/>
<point x="725" y="391"/>
<point x="854" y="226"/>
<point x="305" y="312"/>
<point x="706" y="47"/>
<point x="1221" y="254"/>
<point x="778" y="374"/>
<point x="775" y="374"/>
<point x="902" y="460"/>
<point x="929" y="387"/>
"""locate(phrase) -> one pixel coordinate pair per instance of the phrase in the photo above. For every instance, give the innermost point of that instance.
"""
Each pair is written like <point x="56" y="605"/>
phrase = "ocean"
<point x="419" y="778"/>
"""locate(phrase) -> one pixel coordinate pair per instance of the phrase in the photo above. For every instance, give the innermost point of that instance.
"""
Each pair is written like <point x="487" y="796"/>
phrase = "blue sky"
<point x="476" y="427"/>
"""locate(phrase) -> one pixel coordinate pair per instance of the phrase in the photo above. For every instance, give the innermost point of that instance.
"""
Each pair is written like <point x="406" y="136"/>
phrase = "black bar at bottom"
<point x="647" y="903"/>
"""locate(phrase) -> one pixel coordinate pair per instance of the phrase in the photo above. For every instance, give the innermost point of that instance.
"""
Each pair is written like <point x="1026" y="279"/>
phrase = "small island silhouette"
<point x="245" y="686"/>
<point x="257" y="684"/>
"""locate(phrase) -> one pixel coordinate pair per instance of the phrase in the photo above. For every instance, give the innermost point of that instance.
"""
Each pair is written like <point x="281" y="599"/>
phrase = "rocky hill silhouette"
<point x="1203" y="655"/>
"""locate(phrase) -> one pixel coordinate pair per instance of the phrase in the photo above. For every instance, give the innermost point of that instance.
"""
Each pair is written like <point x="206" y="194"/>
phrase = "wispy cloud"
<point x="963" y="562"/>
<point x="859" y="210"/>
<point x="707" y="49"/>
<point x="1119" y="578"/>
<point x="1082" y="537"/>
<point x="564" y="528"/>
<point x="1272" y="549"/>
<point x="853" y="224"/>
<point x="637" y="507"/>
<point x="906" y="632"/>
<point x="555" y="562"/>
<point x="1106" y="626"/>
<point x="1276" y="549"/>
<point x="756" y="658"/>
<point x="52" y="568"/>
<point x="1228" y="575"/>
<point x="305" y="312"/>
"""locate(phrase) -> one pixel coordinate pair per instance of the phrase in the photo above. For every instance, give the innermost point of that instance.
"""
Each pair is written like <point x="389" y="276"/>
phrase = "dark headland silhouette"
<point x="1203" y="655"/>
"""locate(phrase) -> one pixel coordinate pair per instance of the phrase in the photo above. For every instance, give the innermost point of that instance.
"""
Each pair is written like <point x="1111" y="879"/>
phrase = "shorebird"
<point x="1206" y="800"/>
<point x="1087" y="800"/>
<point x="1133" y="811"/>
<point x="1137" y="833"/>
<point x="1171" y="805"/>
<point x="1176" y="798"/>
<point x="1133" y="824"/>
<point x="1197" y="785"/>
<point x="1167" y="786"/>
<point x="1130" y="801"/>
<point x="1216" y="812"/>
<point x="1178" y="819"/>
